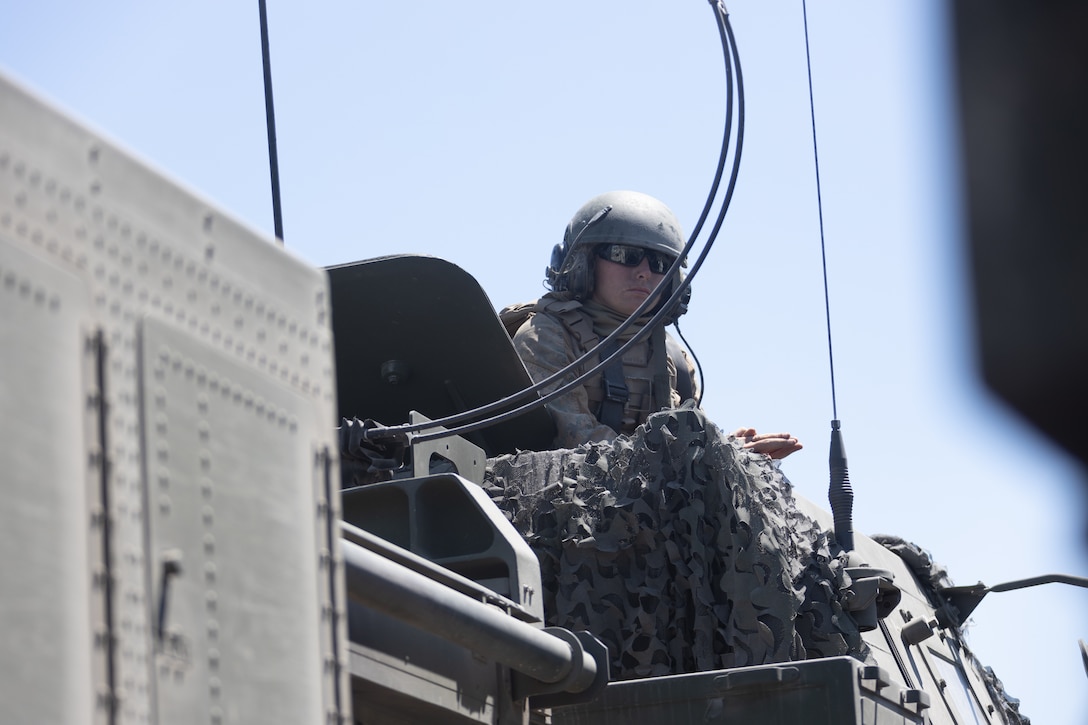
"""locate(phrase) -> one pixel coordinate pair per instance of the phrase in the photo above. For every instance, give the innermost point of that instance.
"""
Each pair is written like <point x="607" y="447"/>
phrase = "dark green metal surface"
<point x="833" y="691"/>
<point x="418" y="333"/>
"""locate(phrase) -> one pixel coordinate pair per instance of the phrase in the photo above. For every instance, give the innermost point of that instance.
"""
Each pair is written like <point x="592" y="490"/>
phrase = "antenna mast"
<point x="270" y="122"/>
<point x="840" y="494"/>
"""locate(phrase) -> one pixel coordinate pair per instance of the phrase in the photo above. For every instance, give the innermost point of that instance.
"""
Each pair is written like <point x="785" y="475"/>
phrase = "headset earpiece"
<point x="579" y="278"/>
<point x="557" y="278"/>
<point x="682" y="305"/>
<point x="567" y="274"/>
<point x="679" y="308"/>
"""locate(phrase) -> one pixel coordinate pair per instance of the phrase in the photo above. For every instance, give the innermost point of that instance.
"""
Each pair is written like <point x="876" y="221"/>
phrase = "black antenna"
<point x="840" y="494"/>
<point x="270" y="121"/>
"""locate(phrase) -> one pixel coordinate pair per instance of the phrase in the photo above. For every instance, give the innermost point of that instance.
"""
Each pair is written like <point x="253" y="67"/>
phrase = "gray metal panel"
<point x="452" y="522"/>
<point x="145" y="248"/>
<point x="404" y="675"/>
<point x="44" y="528"/>
<point x="230" y="508"/>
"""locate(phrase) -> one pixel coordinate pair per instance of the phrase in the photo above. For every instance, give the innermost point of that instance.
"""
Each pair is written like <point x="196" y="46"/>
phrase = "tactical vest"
<point x="627" y="390"/>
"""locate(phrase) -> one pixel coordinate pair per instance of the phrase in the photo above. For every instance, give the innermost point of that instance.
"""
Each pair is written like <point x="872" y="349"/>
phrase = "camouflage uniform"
<point x="558" y="332"/>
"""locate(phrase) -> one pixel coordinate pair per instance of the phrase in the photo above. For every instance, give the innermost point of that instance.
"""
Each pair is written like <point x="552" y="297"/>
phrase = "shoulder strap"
<point x="616" y="392"/>
<point x="613" y="380"/>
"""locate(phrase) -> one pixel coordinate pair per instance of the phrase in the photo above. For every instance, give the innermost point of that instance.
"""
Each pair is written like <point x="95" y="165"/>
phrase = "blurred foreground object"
<point x="1021" y="73"/>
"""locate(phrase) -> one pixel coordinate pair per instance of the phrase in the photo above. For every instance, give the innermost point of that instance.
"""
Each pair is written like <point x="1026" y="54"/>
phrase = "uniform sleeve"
<point x="545" y="347"/>
<point x="686" y="362"/>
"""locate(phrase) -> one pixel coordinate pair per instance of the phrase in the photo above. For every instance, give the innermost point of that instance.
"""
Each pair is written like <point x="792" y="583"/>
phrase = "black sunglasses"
<point x="630" y="256"/>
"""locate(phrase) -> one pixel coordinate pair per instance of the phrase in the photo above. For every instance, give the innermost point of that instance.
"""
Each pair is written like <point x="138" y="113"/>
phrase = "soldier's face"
<point x="622" y="288"/>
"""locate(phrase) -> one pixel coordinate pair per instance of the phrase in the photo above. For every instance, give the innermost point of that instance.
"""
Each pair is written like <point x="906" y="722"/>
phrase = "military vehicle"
<point x="178" y="547"/>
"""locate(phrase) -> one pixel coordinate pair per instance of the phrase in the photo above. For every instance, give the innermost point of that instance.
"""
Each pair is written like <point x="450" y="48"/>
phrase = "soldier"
<point x="680" y="547"/>
<point x="614" y="255"/>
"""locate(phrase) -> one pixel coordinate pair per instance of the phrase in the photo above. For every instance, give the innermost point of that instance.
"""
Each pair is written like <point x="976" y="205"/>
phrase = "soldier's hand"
<point x="775" y="445"/>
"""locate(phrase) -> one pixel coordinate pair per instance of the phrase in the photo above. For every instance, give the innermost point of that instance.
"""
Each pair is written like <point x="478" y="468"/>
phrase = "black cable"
<point x="732" y="60"/>
<point x="698" y="366"/>
<point x="270" y="122"/>
<point x="449" y="422"/>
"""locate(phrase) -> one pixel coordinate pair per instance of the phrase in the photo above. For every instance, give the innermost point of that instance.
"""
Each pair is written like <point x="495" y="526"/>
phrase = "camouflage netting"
<point x="677" y="548"/>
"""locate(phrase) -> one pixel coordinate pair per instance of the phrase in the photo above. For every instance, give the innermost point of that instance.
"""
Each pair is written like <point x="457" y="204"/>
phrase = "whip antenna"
<point x="270" y="122"/>
<point x="840" y="494"/>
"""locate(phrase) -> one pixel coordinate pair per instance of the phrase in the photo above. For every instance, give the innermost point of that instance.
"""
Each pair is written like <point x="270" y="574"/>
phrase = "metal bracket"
<point x="544" y="694"/>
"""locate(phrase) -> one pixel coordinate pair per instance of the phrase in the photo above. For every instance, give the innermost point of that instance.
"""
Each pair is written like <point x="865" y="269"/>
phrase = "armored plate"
<point x="418" y="333"/>
<point x="52" y="564"/>
<point x="166" y="377"/>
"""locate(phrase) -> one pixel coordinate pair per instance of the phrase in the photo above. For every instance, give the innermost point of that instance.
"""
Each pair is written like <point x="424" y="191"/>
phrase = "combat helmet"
<point x="615" y="217"/>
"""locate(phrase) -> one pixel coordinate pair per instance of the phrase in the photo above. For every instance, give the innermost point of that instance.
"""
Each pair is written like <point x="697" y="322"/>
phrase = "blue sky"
<point x="474" y="131"/>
